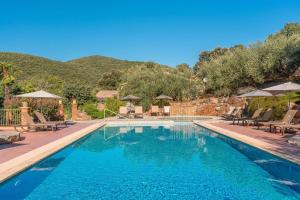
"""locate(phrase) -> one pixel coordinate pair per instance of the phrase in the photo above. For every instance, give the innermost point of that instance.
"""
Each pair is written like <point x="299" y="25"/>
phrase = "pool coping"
<point x="140" y="122"/>
<point x="267" y="147"/>
<point x="16" y="165"/>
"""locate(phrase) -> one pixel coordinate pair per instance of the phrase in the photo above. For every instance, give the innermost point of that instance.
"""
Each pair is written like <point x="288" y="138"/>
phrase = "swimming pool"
<point x="181" y="161"/>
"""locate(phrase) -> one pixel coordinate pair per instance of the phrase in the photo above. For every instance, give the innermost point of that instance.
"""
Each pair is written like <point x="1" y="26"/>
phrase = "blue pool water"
<point x="175" y="162"/>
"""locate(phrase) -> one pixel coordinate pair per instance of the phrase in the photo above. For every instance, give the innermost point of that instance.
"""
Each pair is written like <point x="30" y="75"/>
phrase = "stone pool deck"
<point x="35" y="146"/>
<point x="276" y="144"/>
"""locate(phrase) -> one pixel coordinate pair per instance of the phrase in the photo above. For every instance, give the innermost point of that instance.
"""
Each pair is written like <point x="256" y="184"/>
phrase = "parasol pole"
<point x="289" y="100"/>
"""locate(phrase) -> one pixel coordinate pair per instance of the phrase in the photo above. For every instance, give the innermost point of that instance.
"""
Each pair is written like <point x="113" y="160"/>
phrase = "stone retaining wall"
<point x="206" y="106"/>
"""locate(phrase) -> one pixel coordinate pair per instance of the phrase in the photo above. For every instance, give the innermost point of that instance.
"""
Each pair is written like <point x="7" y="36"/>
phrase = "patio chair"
<point x="229" y="113"/>
<point x="255" y="115"/>
<point x="284" y="124"/>
<point x="123" y="112"/>
<point x="138" y="112"/>
<point x="43" y="120"/>
<point x="255" y="119"/>
<point x="31" y="125"/>
<point x="235" y="114"/>
<point x="166" y="110"/>
<point x="154" y="110"/>
<point x="265" y="118"/>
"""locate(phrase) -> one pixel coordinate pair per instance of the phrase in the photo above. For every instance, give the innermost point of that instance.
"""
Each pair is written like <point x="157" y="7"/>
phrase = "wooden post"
<point x="24" y="109"/>
<point x="74" y="110"/>
<point x="61" y="110"/>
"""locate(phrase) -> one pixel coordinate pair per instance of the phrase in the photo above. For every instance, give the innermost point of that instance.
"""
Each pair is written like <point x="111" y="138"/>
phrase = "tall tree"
<point x="7" y="80"/>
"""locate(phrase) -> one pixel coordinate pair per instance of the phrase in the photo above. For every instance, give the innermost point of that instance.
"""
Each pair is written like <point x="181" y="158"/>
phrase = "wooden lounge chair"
<point x="138" y="112"/>
<point x="284" y="124"/>
<point x="255" y="115"/>
<point x="154" y="110"/>
<point x="123" y="112"/>
<point x="166" y="110"/>
<point x="43" y="120"/>
<point x="235" y="114"/>
<point x="31" y="125"/>
<point x="265" y="118"/>
<point x="229" y="113"/>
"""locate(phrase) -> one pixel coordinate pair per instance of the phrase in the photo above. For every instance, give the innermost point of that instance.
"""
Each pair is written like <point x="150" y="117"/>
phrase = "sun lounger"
<point x="255" y="115"/>
<point x="229" y="113"/>
<point x="138" y="112"/>
<point x="166" y="110"/>
<point x="258" y="121"/>
<point x="123" y="112"/>
<point x="31" y="125"/>
<point x="265" y="118"/>
<point x="284" y="124"/>
<point x="235" y="114"/>
<point x="43" y="120"/>
<point x="154" y="110"/>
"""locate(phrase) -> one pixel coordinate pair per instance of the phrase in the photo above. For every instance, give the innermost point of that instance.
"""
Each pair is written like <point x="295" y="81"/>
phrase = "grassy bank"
<point x="278" y="103"/>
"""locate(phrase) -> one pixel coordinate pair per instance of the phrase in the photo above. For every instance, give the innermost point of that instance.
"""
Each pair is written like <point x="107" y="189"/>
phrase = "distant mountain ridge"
<point x="86" y="69"/>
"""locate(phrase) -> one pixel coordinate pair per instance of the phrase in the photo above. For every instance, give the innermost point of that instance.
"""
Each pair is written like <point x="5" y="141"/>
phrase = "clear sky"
<point x="165" y="31"/>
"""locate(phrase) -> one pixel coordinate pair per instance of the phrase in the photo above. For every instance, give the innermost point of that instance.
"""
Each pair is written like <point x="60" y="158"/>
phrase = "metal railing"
<point x="10" y="117"/>
<point x="109" y="111"/>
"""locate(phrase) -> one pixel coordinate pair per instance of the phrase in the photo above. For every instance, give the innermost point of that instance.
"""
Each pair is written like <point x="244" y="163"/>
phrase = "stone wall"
<point x="206" y="106"/>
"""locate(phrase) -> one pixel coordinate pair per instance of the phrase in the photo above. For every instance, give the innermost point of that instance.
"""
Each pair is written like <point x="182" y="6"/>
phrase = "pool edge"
<point x="264" y="146"/>
<point x="16" y="165"/>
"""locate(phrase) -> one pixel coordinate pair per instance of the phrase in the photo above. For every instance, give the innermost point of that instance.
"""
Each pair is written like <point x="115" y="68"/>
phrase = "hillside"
<point x="276" y="59"/>
<point x="87" y="70"/>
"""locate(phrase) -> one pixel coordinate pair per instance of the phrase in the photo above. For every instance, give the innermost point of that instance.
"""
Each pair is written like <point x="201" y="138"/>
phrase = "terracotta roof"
<point x="103" y="94"/>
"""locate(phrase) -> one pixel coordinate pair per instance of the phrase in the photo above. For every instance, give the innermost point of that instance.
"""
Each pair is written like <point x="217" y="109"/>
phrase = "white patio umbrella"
<point x="257" y="93"/>
<point x="163" y="97"/>
<point x="284" y="88"/>
<point x="130" y="98"/>
<point x="39" y="95"/>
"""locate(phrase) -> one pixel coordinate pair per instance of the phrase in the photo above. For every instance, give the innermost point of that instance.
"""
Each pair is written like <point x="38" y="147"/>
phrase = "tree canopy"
<point x="226" y="70"/>
<point x="277" y="58"/>
<point x="150" y="80"/>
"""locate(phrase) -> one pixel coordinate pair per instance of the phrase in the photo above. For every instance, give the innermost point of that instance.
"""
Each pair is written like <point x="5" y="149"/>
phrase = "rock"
<point x="213" y="100"/>
<point x="82" y="116"/>
<point x="206" y="106"/>
<point x="9" y="137"/>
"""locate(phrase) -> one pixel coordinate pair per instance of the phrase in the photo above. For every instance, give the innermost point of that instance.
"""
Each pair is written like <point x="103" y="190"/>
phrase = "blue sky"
<point x="165" y="31"/>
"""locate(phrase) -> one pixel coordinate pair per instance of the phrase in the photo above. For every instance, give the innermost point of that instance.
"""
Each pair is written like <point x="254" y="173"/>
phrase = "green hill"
<point x="87" y="70"/>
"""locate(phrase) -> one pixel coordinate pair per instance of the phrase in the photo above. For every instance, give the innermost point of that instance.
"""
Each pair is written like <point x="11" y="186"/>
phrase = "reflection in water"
<point x="149" y="143"/>
<point x="180" y="143"/>
<point x="163" y="162"/>
<point x="138" y="130"/>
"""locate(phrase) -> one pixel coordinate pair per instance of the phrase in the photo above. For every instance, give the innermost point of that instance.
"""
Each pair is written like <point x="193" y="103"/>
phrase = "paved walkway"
<point x="274" y="143"/>
<point x="33" y="140"/>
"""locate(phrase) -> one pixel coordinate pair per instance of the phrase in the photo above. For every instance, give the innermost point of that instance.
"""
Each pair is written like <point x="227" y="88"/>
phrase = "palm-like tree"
<point x="6" y="80"/>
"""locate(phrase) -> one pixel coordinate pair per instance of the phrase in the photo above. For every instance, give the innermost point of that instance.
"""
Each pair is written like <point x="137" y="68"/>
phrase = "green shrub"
<point x="92" y="110"/>
<point x="79" y="92"/>
<point x="113" y="104"/>
<point x="279" y="104"/>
